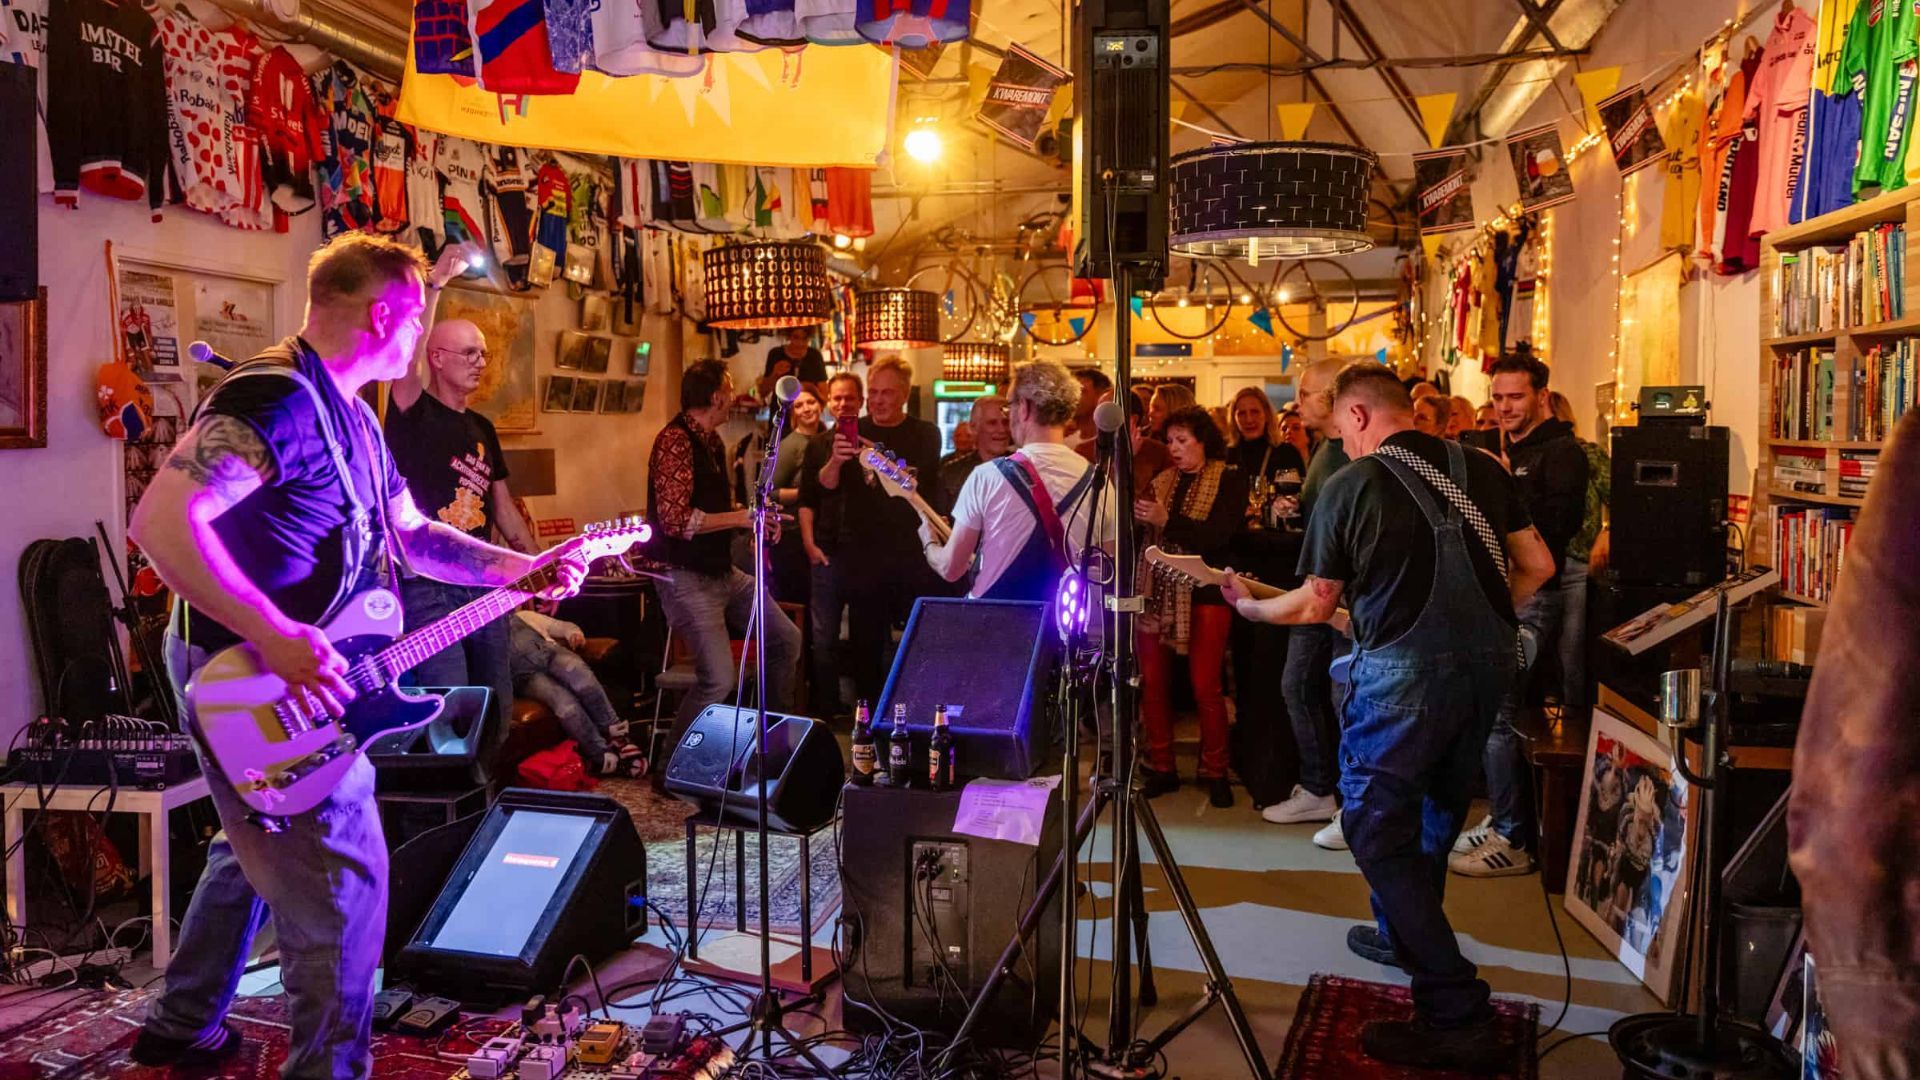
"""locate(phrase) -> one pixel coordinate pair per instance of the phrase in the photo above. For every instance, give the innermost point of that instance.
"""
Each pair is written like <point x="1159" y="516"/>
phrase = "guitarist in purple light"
<point x="278" y="507"/>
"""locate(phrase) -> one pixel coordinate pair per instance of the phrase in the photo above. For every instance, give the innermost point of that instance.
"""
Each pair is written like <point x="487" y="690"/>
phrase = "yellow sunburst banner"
<point x="821" y="106"/>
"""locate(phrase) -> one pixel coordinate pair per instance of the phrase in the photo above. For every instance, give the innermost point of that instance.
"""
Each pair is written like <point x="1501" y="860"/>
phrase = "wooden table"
<point x="153" y="808"/>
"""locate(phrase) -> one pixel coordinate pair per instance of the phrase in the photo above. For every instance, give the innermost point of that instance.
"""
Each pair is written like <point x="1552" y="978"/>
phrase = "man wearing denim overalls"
<point x="1430" y="547"/>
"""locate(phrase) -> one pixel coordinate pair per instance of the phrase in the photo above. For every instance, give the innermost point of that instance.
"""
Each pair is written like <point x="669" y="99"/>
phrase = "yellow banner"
<point x="822" y="106"/>
<point x="1294" y="118"/>
<point x="1597" y="86"/>
<point x="1436" y="111"/>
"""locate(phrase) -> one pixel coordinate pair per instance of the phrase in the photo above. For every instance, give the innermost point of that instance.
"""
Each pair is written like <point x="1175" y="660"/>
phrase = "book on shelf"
<point x="1793" y="633"/>
<point x="1886" y="382"/>
<point x="1800" y="470"/>
<point x="1834" y="286"/>
<point x="1802" y="392"/>
<point x="1856" y="471"/>
<point x="1810" y="547"/>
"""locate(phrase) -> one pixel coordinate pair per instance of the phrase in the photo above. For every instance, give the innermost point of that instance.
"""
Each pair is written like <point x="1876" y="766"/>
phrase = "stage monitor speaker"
<point x="440" y="756"/>
<point x="547" y="875"/>
<point x="19" y="180"/>
<point x="1120" y="177"/>
<point x="917" y="894"/>
<point x="716" y="769"/>
<point x="988" y="662"/>
<point x="416" y="872"/>
<point x="1669" y="504"/>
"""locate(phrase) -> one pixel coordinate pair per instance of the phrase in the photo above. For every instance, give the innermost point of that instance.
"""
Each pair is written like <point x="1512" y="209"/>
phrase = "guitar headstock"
<point x="606" y="539"/>
<point x="1186" y="569"/>
<point x="893" y="473"/>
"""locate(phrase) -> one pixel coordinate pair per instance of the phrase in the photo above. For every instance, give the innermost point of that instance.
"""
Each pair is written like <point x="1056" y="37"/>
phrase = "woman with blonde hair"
<point x="1167" y="399"/>
<point x="1273" y="468"/>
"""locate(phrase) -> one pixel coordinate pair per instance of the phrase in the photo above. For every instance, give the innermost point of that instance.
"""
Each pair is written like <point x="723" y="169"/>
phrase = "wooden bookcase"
<point x="1849" y="345"/>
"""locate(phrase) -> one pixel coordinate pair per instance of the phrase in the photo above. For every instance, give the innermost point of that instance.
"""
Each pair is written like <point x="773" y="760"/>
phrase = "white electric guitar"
<point x="898" y="482"/>
<point x="1193" y="570"/>
<point x="283" y="753"/>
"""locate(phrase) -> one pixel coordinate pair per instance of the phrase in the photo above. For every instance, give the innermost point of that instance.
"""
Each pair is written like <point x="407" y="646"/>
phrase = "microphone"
<point x="203" y="352"/>
<point x="786" y="389"/>
<point x="1108" y="418"/>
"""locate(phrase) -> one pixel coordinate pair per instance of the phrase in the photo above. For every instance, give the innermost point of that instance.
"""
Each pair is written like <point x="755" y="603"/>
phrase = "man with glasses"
<point x="451" y="459"/>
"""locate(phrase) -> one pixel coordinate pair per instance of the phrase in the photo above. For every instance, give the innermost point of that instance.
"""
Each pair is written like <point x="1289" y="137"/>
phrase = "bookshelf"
<point x="1848" y="353"/>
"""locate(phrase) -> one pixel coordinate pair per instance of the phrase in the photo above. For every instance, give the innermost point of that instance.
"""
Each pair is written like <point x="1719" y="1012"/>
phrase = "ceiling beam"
<point x="1538" y="16"/>
<point x="1371" y="47"/>
<point x="1524" y="31"/>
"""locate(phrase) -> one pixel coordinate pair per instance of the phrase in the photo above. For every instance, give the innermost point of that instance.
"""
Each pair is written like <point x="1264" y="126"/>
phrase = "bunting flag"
<point x="1294" y="119"/>
<point x="1079" y="325"/>
<point x="1442" y="194"/>
<point x="1020" y="96"/>
<point x="1431" y="242"/>
<point x="746" y="109"/>
<point x="1631" y="133"/>
<point x="1262" y="321"/>
<point x="1540" y="167"/>
<point x="1597" y="86"/>
<point x="1028" y="319"/>
<point x="1139" y="306"/>
<point x="1286" y="358"/>
<point x="1436" y="111"/>
<point x="1380" y="354"/>
<point x="979" y="77"/>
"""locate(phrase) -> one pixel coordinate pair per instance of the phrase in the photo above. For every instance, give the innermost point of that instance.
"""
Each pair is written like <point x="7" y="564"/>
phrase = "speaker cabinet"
<point x="715" y="768"/>
<point x="918" y="895"/>
<point x="19" y="168"/>
<point x="1669" y="504"/>
<point x="1120" y="138"/>
<point x="989" y="663"/>
<point x="548" y="874"/>
<point x="441" y="756"/>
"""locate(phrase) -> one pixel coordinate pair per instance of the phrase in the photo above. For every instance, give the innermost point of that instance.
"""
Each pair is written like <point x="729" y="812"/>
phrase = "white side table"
<point x="153" y="808"/>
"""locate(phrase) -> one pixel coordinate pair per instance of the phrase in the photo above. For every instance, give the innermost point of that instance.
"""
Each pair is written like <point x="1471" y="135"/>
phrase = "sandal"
<point x="631" y="763"/>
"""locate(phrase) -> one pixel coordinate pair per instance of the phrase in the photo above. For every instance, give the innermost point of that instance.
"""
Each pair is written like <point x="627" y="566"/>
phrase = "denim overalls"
<point x="1415" y="720"/>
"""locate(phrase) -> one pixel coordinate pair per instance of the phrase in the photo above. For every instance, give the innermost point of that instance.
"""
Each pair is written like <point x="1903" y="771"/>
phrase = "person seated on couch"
<point x="548" y="670"/>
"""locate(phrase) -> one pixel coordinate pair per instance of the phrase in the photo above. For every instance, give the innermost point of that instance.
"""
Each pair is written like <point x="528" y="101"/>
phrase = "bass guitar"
<point x="281" y="750"/>
<point x="899" y="482"/>
<point x="1193" y="570"/>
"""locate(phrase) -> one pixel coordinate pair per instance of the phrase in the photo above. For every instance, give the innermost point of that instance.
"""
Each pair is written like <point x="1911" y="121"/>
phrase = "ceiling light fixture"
<point x="766" y="285"/>
<point x="1284" y="200"/>
<point x="897" y="318"/>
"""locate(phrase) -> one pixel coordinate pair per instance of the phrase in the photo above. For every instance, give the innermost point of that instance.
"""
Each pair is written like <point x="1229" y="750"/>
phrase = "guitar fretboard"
<point x="410" y="650"/>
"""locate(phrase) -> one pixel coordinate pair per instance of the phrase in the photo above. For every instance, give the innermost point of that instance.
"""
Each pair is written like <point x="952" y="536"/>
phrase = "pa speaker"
<point x="928" y="910"/>
<point x="441" y="756"/>
<point x="19" y="175"/>
<point x="716" y="768"/>
<point x="1669" y="504"/>
<point x="988" y="662"/>
<point x="547" y="875"/>
<point x="1120" y="179"/>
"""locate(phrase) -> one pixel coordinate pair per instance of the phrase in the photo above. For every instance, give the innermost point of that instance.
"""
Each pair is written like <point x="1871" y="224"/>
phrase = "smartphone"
<point x="848" y="428"/>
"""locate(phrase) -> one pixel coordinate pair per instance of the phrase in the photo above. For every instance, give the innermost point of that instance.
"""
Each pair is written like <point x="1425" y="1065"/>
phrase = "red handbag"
<point x="557" y="768"/>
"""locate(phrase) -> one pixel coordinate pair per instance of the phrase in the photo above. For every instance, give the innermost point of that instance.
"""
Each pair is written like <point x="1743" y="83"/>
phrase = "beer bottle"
<point x="866" y="758"/>
<point x="940" y="752"/>
<point x="900" y="749"/>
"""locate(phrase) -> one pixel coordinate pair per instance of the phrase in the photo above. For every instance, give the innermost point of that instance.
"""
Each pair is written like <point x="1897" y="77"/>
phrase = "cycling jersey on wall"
<point x="829" y="22"/>
<point x="23" y="40"/>
<point x="200" y="123"/>
<point x="390" y="149"/>
<point x="461" y="163"/>
<point x="347" y="199"/>
<point x="513" y="213"/>
<point x="553" y="205"/>
<point x="1879" y="60"/>
<point x="621" y="29"/>
<point x="1777" y="105"/>
<point x="912" y="24"/>
<point x="424" y="211"/>
<point x="281" y="108"/>
<point x="515" y="53"/>
<point x="106" y="101"/>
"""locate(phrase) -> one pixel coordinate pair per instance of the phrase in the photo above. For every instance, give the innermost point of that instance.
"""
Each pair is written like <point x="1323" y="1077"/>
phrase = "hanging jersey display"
<point x="621" y="31"/>
<point x="290" y="126"/>
<point x="462" y="165"/>
<point x="1777" y="106"/>
<point x="346" y="171"/>
<point x="1682" y="173"/>
<point x="684" y="25"/>
<point x="570" y="34"/>
<point x="912" y="24"/>
<point x="587" y="240"/>
<point x="507" y="184"/>
<point x="200" y="125"/>
<point x="829" y="22"/>
<point x="424" y="210"/>
<point x="553" y="205"/>
<point x="772" y="23"/>
<point x="389" y="157"/>
<point x="1879" y="60"/>
<point x="675" y="199"/>
<point x="1739" y="250"/>
<point x="106" y="101"/>
<point x="632" y="193"/>
<point x="850" y="201"/>
<point x="514" y="52"/>
<point x="23" y="40"/>
<point x="442" y="41"/>
<point x="247" y="208"/>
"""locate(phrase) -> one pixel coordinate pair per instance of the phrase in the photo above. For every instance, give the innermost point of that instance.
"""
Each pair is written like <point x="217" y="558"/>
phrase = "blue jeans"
<point x="1409" y="753"/>
<point x="483" y="658"/>
<point x="825" y="606"/>
<point x="1308" y="689"/>
<point x="706" y="611"/>
<point x="1509" y="777"/>
<point x="323" y="880"/>
<point x="558" y="678"/>
<point x="1573" y="632"/>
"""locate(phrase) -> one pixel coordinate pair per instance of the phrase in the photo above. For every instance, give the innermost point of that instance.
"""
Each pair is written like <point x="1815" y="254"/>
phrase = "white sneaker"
<point x="1302" y="806"/>
<point x="1495" y="858"/>
<point x="1331" y="837"/>
<point x="1474" y="837"/>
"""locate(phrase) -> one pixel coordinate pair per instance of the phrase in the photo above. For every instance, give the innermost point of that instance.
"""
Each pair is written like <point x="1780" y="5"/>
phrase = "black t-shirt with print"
<point x="450" y="460"/>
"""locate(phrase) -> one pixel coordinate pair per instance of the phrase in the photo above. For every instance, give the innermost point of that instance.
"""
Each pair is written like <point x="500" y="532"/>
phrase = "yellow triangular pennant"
<point x="1062" y="106"/>
<point x="1597" y="86"/>
<point x="1177" y="109"/>
<point x="1430" y="243"/>
<point x="1436" y="110"/>
<point x="1294" y="119"/>
<point x="978" y="77"/>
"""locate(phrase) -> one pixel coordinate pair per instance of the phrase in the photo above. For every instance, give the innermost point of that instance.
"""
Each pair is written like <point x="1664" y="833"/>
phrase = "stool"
<point x="1558" y="753"/>
<point x="705" y="819"/>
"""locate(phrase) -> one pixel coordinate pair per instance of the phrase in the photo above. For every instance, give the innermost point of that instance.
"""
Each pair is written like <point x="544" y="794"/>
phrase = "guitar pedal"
<point x="429" y="1016"/>
<point x="390" y="1005"/>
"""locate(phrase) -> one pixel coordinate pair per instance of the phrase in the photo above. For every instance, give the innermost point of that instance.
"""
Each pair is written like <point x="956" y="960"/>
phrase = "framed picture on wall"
<point x="1632" y="847"/>
<point x="613" y="397"/>
<point x="507" y="391"/>
<point x="559" y="394"/>
<point x="636" y="396"/>
<point x="23" y="374"/>
<point x="599" y="350"/>
<point x="586" y="395"/>
<point x="571" y="353"/>
<point x="596" y="312"/>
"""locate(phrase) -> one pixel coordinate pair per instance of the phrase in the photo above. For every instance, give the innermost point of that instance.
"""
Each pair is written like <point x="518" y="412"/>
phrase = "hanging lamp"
<point x="766" y="285"/>
<point x="977" y="361"/>
<point x="1271" y="200"/>
<point x="896" y="319"/>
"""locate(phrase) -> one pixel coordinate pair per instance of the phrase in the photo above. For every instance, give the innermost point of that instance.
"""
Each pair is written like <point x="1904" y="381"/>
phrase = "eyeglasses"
<point x="471" y="356"/>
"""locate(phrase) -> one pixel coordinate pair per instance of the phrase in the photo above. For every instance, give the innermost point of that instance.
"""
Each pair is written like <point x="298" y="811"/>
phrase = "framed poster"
<point x="1445" y="197"/>
<point x="506" y="393"/>
<point x="1632" y="848"/>
<point x="1650" y="326"/>
<point x="1631" y="132"/>
<point x="559" y="397"/>
<point x="596" y="312"/>
<point x="613" y="399"/>
<point x="23" y="374"/>
<point x="586" y="395"/>
<point x="636" y="396"/>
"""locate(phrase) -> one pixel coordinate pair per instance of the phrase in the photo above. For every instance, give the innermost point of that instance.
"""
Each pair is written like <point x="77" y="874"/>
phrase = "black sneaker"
<point x="1220" y="791"/>
<point x="1368" y="943"/>
<point x="1154" y="784"/>
<point x="1476" y="1048"/>
<point x="158" y="1052"/>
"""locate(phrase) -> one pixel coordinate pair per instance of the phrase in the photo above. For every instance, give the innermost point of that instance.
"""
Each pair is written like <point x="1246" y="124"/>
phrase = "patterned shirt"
<point x="672" y="471"/>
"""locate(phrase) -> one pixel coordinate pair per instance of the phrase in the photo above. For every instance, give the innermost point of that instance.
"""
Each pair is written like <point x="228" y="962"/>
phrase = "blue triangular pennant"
<point x="1028" y="318"/>
<point x="1262" y="321"/>
<point x="1078" y="324"/>
<point x="947" y="303"/>
<point x="1139" y="305"/>
<point x="1380" y="354"/>
<point x="1286" y="357"/>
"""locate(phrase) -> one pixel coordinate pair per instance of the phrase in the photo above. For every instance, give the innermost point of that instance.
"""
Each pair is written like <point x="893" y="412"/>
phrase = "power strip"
<point x="40" y="969"/>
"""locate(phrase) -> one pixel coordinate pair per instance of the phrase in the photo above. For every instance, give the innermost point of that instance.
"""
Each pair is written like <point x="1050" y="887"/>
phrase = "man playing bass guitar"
<point x="278" y="507"/>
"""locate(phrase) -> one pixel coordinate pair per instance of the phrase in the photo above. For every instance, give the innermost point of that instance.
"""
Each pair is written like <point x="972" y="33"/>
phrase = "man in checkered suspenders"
<point x="1430" y="547"/>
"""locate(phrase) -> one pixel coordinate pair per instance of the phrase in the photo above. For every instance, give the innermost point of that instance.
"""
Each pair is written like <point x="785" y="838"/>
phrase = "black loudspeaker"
<point x="1120" y="138"/>
<point x="416" y="872"/>
<point x="716" y="769"/>
<point x="440" y="756"/>
<point x="1669" y="504"/>
<point x="988" y="662"/>
<point x="19" y="175"/>
<point x="547" y="875"/>
<point x="915" y="890"/>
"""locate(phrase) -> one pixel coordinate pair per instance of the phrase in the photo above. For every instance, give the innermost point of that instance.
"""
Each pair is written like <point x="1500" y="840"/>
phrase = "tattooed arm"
<point x="439" y="550"/>
<point x="1316" y="601"/>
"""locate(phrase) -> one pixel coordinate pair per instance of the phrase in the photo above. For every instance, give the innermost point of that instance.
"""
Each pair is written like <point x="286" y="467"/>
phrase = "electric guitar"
<point x="1193" y="570"/>
<point x="283" y="753"/>
<point x="900" y="483"/>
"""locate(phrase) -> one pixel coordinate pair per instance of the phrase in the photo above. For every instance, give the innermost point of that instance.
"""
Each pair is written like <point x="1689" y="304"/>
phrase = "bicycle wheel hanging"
<point x="959" y="293"/>
<point x="1203" y="276"/>
<point x="1312" y="292"/>
<point x="1047" y="311"/>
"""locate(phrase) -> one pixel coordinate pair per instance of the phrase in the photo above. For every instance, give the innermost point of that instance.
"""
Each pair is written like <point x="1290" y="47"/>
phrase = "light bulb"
<point x="923" y="145"/>
<point x="842" y="241"/>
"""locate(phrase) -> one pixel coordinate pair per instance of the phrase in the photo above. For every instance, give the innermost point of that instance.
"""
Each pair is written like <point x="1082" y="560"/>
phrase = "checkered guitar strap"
<point x="1449" y="490"/>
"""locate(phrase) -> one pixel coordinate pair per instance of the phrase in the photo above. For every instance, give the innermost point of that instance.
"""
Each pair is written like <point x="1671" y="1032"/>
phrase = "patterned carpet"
<point x="1324" y="1042"/>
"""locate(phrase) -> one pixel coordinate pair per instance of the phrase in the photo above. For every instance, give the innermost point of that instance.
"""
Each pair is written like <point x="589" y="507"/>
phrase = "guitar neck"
<point x="1259" y="590"/>
<point x="935" y="523"/>
<point x="413" y="648"/>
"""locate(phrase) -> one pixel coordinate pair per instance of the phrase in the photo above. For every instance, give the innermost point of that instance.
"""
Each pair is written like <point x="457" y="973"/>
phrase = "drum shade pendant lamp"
<point x="896" y="319"/>
<point x="1271" y="200"/>
<point x="766" y="285"/>
<point x="976" y="361"/>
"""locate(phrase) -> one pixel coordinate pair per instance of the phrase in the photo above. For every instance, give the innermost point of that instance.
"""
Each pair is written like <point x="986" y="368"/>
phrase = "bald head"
<point x="1314" y="390"/>
<point x="456" y="360"/>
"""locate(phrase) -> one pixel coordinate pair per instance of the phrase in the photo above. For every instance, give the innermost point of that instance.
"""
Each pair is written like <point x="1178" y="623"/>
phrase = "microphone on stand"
<point x="1108" y="419"/>
<point x="785" y="389"/>
<point x="203" y="352"/>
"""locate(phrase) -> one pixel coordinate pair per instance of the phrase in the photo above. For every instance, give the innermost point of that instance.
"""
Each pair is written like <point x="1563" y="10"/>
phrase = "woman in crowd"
<point x="1293" y="431"/>
<point x="790" y="568"/>
<point x="1273" y="468"/>
<point x="1459" y="416"/>
<point x="1167" y="399"/>
<point x="1580" y="555"/>
<point x="1195" y="508"/>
